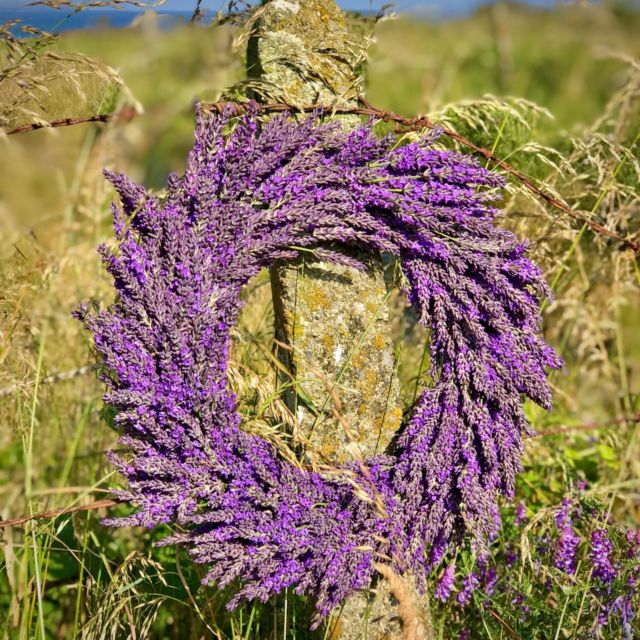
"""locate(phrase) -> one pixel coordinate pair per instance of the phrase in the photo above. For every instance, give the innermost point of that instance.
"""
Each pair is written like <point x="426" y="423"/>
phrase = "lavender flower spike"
<point x="250" y="194"/>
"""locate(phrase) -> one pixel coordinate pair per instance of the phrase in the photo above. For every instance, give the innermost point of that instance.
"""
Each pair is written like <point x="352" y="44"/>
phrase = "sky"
<point x="453" y="6"/>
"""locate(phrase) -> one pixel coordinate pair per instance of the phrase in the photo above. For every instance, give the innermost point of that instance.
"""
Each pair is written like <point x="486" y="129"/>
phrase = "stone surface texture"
<point x="333" y="319"/>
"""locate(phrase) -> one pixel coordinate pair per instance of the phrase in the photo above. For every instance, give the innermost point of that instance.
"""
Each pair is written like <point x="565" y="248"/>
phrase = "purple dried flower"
<point x="566" y="545"/>
<point x="247" y="198"/>
<point x="601" y="551"/>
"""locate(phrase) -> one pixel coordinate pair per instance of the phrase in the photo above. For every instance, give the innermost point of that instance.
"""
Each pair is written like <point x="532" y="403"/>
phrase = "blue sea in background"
<point x="170" y="13"/>
<point x="61" y="20"/>
<point x="48" y="19"/>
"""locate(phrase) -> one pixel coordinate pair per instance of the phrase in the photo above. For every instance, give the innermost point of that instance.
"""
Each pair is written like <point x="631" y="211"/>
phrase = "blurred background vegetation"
<point x="573" y="125"/>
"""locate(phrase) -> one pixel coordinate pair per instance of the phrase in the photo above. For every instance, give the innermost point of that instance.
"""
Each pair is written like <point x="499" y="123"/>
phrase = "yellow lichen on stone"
<point x="357" y="361"/>
<point x="328" y="449"/>
<point x="395" y="418"/>
<point x="328" y="342"/>
<point x="371" y="377"/>
<point x="298" y="328"/>
<point x="379" y="341"/>
<point x="313" y="295"/>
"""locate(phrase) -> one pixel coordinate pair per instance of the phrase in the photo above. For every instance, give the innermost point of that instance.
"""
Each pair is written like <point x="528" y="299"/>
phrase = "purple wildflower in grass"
<point x="488" y="578"/>
<point x="446" y="583"/>
<point x="632" y="537"/>
<point x="543" y="547"/>
<point x="469" y="586"/>
<point x="624" y="607"/>
<point x="521" y="514"/>
<point x="603" y="615"/>
<point x="601" y="553"/>
<point x="256" y="192"/>
<point x="566" y="545"/>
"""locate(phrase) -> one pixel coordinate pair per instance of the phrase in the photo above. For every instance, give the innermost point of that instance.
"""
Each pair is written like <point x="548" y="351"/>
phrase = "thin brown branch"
<point x="124" y="115"/>
<point x="45" y="515"/>
<point x="64" y="122"/>
<point x="422" y="122"/>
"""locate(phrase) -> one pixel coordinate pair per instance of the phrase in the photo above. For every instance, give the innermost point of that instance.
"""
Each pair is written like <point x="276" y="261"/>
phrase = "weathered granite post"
<point x="334" y="319"/>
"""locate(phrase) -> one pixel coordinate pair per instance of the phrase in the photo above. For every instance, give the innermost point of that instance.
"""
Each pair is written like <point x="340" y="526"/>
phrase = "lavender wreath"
<point x="254" y="193"/>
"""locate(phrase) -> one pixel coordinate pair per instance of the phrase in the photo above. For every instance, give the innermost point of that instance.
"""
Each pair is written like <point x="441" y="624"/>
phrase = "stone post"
<point x="333" y="319"/>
